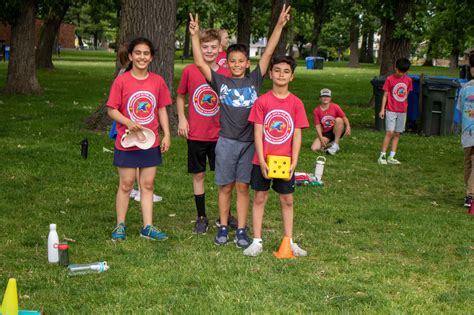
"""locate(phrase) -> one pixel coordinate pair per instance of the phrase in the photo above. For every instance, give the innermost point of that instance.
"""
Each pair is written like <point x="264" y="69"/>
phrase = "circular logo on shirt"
<point x="328" y="122"/>
<point x="400" y="92"/>
<point x="277" y="126"/>
<point x="205" y="100"/>
<point x="141" y="107"/>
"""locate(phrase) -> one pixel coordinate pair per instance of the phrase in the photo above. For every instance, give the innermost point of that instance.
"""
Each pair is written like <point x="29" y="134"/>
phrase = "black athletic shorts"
<point x="330" y="135"/>
<point x="198" y="153"/>
<point x="260" y="183"/>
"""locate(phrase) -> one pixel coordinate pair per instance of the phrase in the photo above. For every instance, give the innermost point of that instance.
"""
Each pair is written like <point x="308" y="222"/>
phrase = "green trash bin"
<point x="377" y="83"/>
<point x="318" y="63"/>
<point x="438" y="105"/>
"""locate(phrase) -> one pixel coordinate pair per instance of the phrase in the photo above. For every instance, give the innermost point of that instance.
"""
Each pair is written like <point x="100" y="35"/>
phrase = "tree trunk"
<point x="277" y="5"/>
<point x="429" y="60"/>
<point x="395" y="46"/>
<point x="187" y="41"/>
<point x="354" y="40"/>
<point x="370" y="48"/>
<point x="49" y="32"/>
<point x="244" y="20"/>
<point x="381" y="43"/>
<point x="454" y="60"/>
<point x="363" y="48"/>
<point x="21" y="78"/>
<point x="155" y="20"/>
<point x="319" y="13"/>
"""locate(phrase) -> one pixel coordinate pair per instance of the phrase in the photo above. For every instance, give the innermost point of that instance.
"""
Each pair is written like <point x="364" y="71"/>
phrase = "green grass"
<point x="381" y="239"/>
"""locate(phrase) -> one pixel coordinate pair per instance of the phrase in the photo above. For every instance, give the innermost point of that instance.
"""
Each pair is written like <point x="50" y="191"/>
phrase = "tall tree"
<point x="54" y="12"/>
<point x="155" y="20"/>
<point x="244" y="18"/>
<point x="21" y="15"/>
<point x="397" y="21"/>
<point x="354" y="39"/>
<point x="320" y="10"/>
<point x="277" y="5"/>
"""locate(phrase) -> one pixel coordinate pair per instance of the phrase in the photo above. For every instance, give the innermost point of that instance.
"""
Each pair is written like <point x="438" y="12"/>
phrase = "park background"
<point x="380" y="239"/>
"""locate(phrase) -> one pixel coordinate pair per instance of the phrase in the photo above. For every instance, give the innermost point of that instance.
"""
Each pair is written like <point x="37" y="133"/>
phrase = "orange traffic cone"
<point x="471" y="209"/>
<point x="285" y="249"/>
<point x="10" y="299"/>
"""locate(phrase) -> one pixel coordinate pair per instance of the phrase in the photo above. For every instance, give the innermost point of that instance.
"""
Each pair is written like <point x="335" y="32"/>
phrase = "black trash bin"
<point x="377" y="83"/>
<point x="318" y="63"/>
<point x="465" y="72"/>
<point x="438" y="105"/>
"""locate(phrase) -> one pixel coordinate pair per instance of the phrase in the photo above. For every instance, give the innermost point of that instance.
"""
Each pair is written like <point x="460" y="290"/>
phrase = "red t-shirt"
<point x="139" y="101"/>
<point x="222" y="59"/>
<point x="397" y="89"/>
<point x="203" y="109"/>
<point x="279" y="118"/>
<point x="327" y="118"/>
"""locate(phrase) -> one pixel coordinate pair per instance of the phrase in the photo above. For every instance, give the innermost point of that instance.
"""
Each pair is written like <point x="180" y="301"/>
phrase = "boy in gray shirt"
<point x="235" y="147"/>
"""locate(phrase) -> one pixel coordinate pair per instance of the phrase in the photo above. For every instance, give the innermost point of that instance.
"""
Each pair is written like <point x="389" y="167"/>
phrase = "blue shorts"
<point x="137" y="158"/>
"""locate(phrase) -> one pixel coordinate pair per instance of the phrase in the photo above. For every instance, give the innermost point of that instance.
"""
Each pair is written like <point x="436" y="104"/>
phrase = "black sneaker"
<point x="467" y="201"/>
<point x="201" y="225"/>
<point x="241" y="238"/>
<point x="232" y="223"/>
<point x="222" y="236"/>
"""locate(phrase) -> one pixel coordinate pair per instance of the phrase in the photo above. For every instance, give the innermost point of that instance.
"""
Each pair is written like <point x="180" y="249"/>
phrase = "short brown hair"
<point x="209" y="35"/>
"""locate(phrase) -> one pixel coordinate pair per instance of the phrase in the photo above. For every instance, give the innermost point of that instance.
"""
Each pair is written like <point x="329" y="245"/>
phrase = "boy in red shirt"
<point x="396" y="89"/>
<point x="201" y="129"/>
<point x="278" y="117"/>
<point x="331" y="124"/>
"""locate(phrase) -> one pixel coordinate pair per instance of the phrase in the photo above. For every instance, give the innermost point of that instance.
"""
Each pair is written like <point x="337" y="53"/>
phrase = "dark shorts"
<point x="137" y="158"/>
<point x="260" y="183"/>
<point x="330" y="135"/>
<point x="198" y="153"/>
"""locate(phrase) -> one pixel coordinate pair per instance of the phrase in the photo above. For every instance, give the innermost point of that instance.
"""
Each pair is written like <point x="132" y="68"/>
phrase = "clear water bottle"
<point x="81" y="269"/>
<point x="53" y="241"/>
<point x="319" y="168"/>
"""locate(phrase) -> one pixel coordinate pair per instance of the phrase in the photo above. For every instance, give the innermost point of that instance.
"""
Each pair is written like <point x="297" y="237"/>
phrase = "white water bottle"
<point x="80" y="269"/>
<point x="53" y="241"/>
<point x="319" y="168"/>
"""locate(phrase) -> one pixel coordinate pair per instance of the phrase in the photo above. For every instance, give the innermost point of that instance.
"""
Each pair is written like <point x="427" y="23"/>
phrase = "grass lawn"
<point x="381" y="239"/>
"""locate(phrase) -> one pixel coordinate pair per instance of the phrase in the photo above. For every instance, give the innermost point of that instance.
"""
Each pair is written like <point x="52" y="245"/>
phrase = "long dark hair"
<point x="138" y="41"/>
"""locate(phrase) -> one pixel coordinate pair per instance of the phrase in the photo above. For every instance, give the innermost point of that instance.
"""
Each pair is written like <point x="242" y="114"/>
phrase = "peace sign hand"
<point x="193" y="24"/>
<point x="284" y="15"/>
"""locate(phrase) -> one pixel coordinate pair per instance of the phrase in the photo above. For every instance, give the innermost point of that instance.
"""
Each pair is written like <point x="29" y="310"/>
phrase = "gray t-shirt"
<point x="237" y="97"/>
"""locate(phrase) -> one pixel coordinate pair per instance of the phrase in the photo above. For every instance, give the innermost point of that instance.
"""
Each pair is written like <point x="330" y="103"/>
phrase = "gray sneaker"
<point x="222" y="236"/>
<point x="241" y="238"/>
<point x="254" y="249"/>
<point x="201" y="225"/>
<point x="297" y="251"/>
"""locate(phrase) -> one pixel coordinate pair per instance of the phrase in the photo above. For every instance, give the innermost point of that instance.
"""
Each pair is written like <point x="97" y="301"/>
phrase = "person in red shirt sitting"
<point x="331" y="124"/>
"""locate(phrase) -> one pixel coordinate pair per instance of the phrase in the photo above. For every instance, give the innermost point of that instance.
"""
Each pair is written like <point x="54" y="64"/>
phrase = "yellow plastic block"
<point x="279" y="166"/>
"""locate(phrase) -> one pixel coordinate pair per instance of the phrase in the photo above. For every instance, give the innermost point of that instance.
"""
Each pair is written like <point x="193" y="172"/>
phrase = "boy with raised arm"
<point x="235" y="147"/>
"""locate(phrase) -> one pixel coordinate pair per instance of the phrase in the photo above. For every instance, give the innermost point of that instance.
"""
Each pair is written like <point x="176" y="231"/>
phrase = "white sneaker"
<point x="254" y="249"/>
<point x="333" y="148"/>
<point x="297" y="251"/>
<point x="392" y="160"/>
<point x="134" y="193"/>
<point x="156" y="198"/>
<point x="382" y="160"/>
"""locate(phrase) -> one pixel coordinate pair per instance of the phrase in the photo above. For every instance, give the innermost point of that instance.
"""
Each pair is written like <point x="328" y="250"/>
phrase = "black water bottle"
<point x="84" y="148"/>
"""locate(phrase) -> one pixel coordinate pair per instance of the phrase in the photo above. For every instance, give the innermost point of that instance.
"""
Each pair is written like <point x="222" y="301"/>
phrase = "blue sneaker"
<point x="119" y="233"/>
<point x="241" y="238"/>
<point x="152" y="233"/>
<point x="222" y="236"/>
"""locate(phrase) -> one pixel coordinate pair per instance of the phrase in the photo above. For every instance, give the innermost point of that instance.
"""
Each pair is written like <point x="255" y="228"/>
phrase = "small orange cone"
<point x="471" y="209"/>
<point x="285" y="251"/>
<point x="10" y="299"/>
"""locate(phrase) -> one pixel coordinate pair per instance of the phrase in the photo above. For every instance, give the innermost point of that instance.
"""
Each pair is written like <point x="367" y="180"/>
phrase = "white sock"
<point x="392" y="153"/>
<point x="291" y="241"/>
<point x="258" y="240"/>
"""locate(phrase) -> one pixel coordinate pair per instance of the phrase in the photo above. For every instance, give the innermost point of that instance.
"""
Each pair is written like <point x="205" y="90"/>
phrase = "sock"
<point x="291" y="241"/>
<point x="382" y="154"/>
<point x="392" y="153"/>
<point x="258" y="240"/>
<point x="200" y="204"/>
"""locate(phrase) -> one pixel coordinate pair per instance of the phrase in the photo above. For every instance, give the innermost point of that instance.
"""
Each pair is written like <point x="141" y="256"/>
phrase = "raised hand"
<point x="193" y="24"/>
<point x="284" y="15"/>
